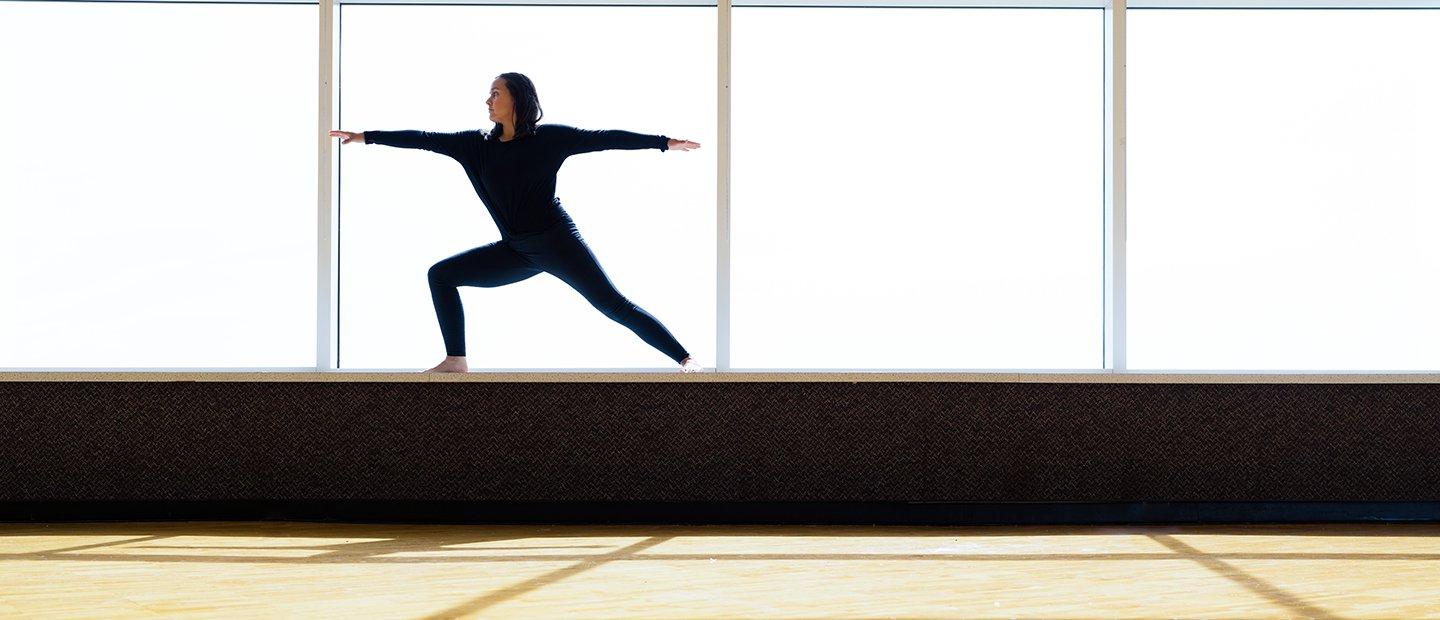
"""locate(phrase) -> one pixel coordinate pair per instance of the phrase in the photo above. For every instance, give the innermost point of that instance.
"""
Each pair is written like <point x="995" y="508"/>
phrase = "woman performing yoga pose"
<point x="513" y="169"/>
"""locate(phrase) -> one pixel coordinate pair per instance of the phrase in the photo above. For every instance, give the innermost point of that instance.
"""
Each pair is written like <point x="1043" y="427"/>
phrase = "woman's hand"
<point x="681" y="145"/>
<point x="346" y="137"/>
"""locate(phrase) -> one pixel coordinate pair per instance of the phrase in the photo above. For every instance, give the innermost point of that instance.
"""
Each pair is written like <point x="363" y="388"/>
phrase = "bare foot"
<point x="452" y="363"/>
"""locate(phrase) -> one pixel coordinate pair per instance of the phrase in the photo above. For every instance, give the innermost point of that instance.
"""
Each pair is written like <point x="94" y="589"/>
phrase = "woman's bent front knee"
<point x="439" y="274"/>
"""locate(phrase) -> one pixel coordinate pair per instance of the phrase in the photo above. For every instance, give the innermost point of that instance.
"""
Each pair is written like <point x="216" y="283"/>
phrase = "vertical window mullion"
<point x="722" y="224"/>
<point x="1114" y="323"/>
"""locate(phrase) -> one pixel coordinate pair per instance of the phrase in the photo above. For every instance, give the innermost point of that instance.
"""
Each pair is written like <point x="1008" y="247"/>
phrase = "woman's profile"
<point x="513" y="169"/>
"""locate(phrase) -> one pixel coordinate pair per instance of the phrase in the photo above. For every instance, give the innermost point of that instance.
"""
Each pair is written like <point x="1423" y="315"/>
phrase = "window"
<point x="157" y="185"/>
<point x="1283" y="202"/>
<point x="918" y="188"/>
<point x="648" y="216"/>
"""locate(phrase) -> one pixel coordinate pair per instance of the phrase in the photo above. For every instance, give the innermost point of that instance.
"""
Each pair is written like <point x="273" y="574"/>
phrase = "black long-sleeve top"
<point x="516" y="179"/>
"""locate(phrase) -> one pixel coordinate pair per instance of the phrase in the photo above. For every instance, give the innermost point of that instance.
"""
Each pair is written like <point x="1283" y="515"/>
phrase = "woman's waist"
<point x="556" y="227"/>
<point x="536" y="219"/>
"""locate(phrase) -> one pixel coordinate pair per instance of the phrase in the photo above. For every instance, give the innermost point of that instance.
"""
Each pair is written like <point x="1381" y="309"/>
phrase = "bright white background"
<point x="918" y="188"/>
<point x="157" y="185"/>
<point x="913" y="188"/>
<point x="1284" y="189"/>
<point x="648" y="216"/>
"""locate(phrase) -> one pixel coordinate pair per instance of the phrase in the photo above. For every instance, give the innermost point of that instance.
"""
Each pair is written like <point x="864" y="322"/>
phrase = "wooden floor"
<point x="328" y="570"/>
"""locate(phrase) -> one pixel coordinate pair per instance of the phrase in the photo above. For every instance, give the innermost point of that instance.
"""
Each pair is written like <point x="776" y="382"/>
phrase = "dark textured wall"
<point x="719" y="441"/>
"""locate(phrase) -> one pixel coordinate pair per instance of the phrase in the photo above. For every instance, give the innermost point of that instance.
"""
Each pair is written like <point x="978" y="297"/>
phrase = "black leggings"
<point x="559" y="251"/>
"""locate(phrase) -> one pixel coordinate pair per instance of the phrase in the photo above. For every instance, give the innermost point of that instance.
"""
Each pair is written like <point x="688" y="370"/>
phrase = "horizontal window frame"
<point x="897" y="4"/>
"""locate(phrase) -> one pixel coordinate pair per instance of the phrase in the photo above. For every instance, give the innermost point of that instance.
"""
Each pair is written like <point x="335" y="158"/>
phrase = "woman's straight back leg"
<point x="569" y="258"/>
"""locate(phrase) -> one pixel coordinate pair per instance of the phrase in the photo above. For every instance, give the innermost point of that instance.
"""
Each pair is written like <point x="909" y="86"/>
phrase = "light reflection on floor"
<point x="269" y="569"/>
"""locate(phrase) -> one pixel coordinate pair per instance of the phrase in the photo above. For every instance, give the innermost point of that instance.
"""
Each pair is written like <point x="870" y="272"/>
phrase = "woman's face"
<point x="502" y="108"/>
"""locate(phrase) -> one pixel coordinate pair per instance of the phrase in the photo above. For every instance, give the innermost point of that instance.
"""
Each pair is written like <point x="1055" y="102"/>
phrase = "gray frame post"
<point x="1114" y="327"/>
<point x="327" y="287"/>
<point x="722" y="194"/>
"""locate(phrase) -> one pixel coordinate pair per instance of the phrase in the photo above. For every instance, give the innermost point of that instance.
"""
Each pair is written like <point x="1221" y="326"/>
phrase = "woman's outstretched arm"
<point x="450" y="144"/>
<point x="575" y="141"/>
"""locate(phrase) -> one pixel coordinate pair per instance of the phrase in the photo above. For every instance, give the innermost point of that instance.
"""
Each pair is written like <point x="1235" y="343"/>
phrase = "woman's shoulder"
<point x="555" y="128"/>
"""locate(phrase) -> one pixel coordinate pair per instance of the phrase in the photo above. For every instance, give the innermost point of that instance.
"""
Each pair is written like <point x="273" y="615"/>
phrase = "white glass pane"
<point x="918" y="188"/>
<point x="648" y="216"/>
<point x="157" y="185"/>
<point x="1284" y="202"/>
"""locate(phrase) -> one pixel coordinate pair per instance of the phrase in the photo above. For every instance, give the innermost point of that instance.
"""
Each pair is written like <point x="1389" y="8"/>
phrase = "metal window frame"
<point x="1114" y="272"/>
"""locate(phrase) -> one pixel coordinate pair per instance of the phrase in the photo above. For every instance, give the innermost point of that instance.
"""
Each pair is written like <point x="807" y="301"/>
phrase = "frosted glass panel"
<point x="918" y="189"/>
<point x="1284" y="201"/>
<point x="157" y="185"/>
<point x="648" y="216"/>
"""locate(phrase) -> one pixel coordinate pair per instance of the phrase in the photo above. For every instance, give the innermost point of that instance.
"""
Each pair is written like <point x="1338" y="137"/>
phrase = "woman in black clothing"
<point x="513" y="169"/>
